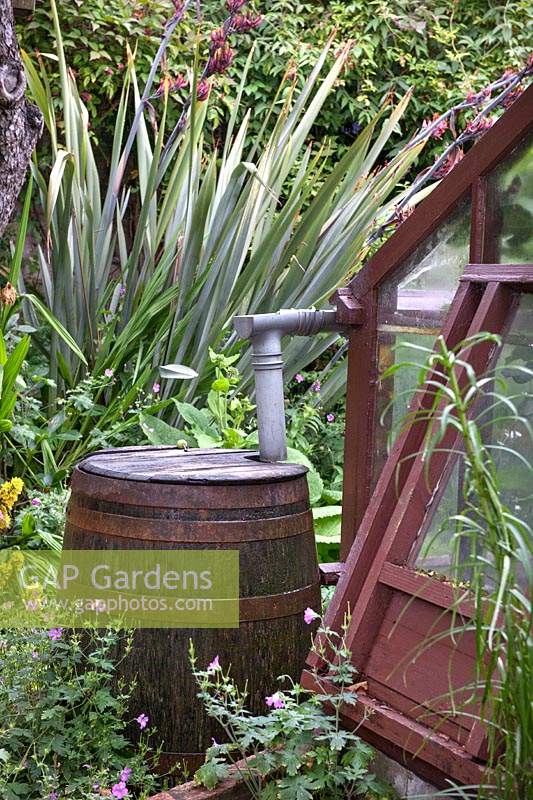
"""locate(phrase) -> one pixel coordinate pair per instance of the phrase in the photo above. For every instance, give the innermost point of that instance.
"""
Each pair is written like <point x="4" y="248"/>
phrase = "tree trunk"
<point x="21" y="122"/>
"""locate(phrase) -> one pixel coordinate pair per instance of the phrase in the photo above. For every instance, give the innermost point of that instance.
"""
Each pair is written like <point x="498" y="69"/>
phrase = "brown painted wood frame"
<point x="467" y="179"/>
<point x="392" y="606"/>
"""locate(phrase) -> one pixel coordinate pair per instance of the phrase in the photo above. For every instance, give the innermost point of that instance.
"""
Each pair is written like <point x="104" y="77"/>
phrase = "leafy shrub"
<point x="43" y="448"/>
<point x="224" y="422"/>
<point x="441" y="50"/>
<point x="295" y="751"/>
<point x="63" y="728"/>
<point x="96" y="35"/>
<point x="41" y="522"/>
<point x="215" y="236"/>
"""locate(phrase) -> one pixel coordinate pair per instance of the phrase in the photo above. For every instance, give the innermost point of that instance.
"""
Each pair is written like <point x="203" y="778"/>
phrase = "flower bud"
<point x="480" y="125"/>
<point x="8" y="295"/>
<point x="218" y="37"/>
<point x="453" y="158"/>
<point x="220" y="60"/>
<point x="180" y="82"/>
<point x="246" y="22"/>
<point x="202" y="90"/>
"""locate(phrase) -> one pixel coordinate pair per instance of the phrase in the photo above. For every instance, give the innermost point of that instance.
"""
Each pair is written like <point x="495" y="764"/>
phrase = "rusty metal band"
<point x="188" y="496"/>
<point x="253" y="514"/>
<point x="164" y="530"/>
<point x="274" y="606"/>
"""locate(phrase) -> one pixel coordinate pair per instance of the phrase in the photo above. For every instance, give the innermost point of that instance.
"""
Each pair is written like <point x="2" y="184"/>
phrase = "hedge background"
<point x="441" y="50"/>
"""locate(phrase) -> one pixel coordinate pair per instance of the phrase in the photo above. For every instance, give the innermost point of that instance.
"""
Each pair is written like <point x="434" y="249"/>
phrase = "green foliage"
<point x="63" y="725"/>
<point x="228" y="407"/>
<point x="327" y="523"/>
<point x="96" y="37"/>
<point x="40" y="524"/>
<point x="297" y="751"/>
<point x="316" y="426"/>
<point x="319" y="435"/>
<point x="13" y="346"/>
<point x="212" y="238"/>
<point x="42" y="448"/>
<point x="215" y="235"/>
<point x="441" y="49"/>
<point x="221" y="423"/>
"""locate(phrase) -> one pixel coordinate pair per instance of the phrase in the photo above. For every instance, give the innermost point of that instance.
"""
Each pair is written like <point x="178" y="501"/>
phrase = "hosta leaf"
<point x="327" y="522"/>
<point x="314" y="481"/>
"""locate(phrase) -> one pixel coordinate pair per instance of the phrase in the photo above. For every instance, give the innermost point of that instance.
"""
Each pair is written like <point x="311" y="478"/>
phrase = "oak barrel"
<point x="161" y="497"/>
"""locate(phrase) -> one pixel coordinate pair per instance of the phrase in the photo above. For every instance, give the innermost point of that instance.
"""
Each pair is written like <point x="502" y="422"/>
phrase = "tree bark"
<point x="21" y="122"/>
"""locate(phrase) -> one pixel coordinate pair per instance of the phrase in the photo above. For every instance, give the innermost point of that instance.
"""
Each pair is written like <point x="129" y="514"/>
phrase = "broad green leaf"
<point x="327" y="523"/>
<point x="159" y="432"/>
<point x="199" y="418"/>
<point x="314" y="481"/>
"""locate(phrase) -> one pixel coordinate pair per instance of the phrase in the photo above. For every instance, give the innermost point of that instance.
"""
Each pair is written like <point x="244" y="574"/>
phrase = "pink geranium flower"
<point x="275" y="700"/>
<point x="125" y="774"/>
<point x="310" y="616"/>
<point x="142" y="720"/>
<point x="214" y="665"/>
<point x="119" y="790"/>
<point x="55" y="634"/>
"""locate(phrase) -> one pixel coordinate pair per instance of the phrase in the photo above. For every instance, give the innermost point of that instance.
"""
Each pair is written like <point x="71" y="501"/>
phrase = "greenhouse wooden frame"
<point x="469" y="178"/>
<point x="394" y="606"/>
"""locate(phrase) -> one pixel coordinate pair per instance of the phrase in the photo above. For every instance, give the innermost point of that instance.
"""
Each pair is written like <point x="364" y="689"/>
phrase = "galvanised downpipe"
<point x="265" y="332"/>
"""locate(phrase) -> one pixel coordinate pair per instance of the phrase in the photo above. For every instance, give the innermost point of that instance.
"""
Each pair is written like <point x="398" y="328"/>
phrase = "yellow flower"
<point x="9" y="493"/>
<point x="5" y="519"/>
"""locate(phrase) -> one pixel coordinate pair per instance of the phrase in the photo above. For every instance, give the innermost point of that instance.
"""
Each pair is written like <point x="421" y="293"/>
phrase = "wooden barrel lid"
<point x="197" y="466"/>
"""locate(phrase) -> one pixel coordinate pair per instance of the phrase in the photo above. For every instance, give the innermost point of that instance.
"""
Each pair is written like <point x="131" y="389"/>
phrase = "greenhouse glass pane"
<point x="510" y="208"/>
<point x="511" y="447"/>
<point x="412" y="307"/>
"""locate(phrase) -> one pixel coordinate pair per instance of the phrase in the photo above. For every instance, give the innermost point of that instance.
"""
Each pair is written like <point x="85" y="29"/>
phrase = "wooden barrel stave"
<point x="266" y="518"/>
